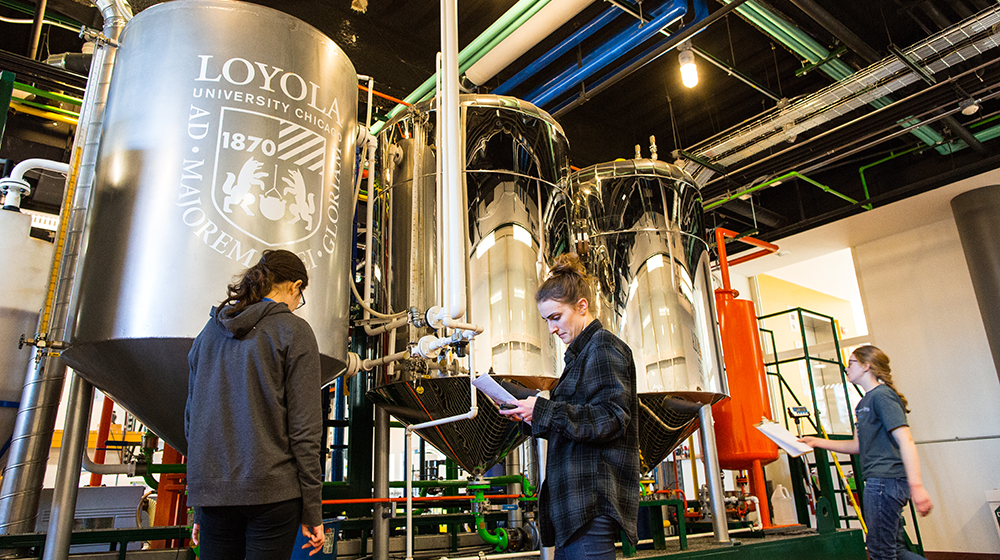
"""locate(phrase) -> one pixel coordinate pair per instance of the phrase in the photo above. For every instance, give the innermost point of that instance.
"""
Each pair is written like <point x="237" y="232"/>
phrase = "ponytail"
<point x="878" y="361"/>
<point x="254" y="283"/>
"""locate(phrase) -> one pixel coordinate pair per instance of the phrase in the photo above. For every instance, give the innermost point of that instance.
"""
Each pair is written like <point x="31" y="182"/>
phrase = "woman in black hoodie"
<point x="253" y="418"/>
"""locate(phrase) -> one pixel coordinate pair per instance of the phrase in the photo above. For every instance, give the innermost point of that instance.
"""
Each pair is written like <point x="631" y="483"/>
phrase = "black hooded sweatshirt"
<point x="254" y="413"/>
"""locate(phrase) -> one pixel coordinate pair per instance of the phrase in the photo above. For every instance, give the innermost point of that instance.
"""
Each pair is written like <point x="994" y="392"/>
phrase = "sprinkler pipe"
<point x="775" y="181"/>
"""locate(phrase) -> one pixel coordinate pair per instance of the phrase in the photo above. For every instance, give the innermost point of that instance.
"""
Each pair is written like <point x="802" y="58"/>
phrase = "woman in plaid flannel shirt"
<point x="590" y="493"/>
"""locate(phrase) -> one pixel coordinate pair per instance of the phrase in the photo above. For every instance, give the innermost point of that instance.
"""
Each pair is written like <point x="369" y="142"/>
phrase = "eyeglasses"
<point x="302" y="299"/>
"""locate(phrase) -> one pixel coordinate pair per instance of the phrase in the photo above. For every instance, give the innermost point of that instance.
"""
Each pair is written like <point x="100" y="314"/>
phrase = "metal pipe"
<point x="735" y="73"/>
<point x="621" y="44"/>
<point x="562" y="48"/>
<point x="36" y="29"/>
<point x="381" y="512"/>
<point x="652" y="54"/>
<point x="22" y="480"/>
<point x="74" y="445"/>
<point x="713" y="474"/>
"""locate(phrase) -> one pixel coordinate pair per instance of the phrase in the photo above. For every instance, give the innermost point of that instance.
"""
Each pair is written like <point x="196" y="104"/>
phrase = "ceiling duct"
<point x="939" y="52"/>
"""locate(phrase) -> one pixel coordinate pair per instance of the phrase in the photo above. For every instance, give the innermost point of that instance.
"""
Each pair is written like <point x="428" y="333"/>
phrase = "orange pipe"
<point x="103" y="430"/>
<point x="384" y="96"/>
<point x="759" y="488"/>
<point x="419" y="499"/>
<point x="720" y="243"/>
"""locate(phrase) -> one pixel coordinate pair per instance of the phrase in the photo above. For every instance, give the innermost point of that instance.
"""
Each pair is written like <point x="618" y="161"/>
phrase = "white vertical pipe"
<point x="451" y="155"/>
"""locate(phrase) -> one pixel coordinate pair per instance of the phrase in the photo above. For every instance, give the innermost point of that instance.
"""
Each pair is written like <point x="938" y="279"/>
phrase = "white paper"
<point x="493" y="390"/>
<point x="785" y="440"/>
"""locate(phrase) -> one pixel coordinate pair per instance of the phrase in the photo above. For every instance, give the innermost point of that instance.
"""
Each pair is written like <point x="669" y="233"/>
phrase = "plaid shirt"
<point x="590" y="422"/>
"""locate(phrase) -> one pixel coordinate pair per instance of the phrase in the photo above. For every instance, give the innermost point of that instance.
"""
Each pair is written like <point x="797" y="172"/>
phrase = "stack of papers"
<point x="785" y="440"/>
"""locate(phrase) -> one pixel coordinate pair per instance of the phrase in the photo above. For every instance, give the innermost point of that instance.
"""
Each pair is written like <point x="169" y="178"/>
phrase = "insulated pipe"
<point x="540" y="26"/>
<point x="98" y="469"/>
<point x="23" y="477"/>
<point x="368" y="365"/>
<point x="562" y="48"/>
<point x="621" y="44"/>
<point x="452" y="162"/>
<point x="713" y="474"/>
<point x="14" y="187"/>
<point x="509" y="17"/>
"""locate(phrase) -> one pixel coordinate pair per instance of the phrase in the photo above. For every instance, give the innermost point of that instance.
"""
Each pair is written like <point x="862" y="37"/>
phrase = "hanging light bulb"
<point x="689" y="71"/>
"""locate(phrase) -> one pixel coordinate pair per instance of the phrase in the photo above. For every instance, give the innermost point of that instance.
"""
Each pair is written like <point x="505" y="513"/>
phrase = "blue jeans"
<point x="595" y="540"/>
<point x="883" y="508"/>
<point x="260" y="532"/>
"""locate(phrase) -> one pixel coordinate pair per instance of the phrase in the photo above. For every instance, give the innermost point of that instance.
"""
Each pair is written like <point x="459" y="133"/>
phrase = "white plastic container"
<point x="783" y="506"/>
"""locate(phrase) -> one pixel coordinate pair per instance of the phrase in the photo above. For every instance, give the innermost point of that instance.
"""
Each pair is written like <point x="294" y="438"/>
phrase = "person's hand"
<point x="195" y="533"/>
<point x="524" y="411"/>
<point x="810" y="440"/>
<point x="921" y="500"/>
<point x="316" y="538"/>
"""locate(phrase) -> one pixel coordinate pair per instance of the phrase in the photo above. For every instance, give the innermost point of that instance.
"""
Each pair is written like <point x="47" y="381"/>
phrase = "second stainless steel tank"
<point x="642" y="237"/>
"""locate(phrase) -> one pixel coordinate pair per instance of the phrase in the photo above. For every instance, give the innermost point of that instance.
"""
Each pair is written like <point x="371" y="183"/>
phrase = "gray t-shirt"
<point x="878" y="413"/>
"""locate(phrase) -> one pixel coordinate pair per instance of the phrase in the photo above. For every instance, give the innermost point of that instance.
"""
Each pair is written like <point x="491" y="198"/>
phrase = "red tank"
<point x="739" y="443"/>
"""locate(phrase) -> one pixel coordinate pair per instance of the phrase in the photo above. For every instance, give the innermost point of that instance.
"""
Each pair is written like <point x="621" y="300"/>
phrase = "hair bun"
<point x="568" y="263"/>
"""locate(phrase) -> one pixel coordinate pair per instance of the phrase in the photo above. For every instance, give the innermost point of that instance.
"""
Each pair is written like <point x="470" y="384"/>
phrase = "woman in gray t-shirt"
<point x="889" y="462"/>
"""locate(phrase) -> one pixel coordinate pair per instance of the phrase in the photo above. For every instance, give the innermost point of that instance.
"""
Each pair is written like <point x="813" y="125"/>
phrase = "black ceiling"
<point x="395" y="42"/>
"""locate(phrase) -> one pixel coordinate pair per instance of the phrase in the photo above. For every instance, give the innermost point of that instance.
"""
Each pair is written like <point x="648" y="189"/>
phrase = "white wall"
<point x="923" y="313"/>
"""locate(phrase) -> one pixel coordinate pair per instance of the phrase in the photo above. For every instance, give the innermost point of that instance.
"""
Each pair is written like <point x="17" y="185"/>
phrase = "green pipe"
<point x="48" y="108"/>
<point x="805" y="46"/>
<point x="788" y="175"/>
<point x="47" y="94"/>
<point x="30" y="10"/>
<point x="150" y="481"/>
<point x="466" y="54"/>
<point x="863" y="168"/>
<point x="499" y="540"/>
<point x="984" y="121"/>
<point x="464" y="65"/>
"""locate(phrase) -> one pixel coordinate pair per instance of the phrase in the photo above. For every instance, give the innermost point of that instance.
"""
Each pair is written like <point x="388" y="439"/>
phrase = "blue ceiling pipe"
<point x="619" y="45"/>
<point x="562" y="48"/>
<point x="700" y="13"/>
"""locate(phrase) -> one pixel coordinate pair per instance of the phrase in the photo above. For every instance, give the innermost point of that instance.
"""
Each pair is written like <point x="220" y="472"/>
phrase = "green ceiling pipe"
<point x="473" y="52"/>
<point x="805" y="46"/>
<point x="6" y="93"/>
<point x="48" y="108"/>
<point x="863" y="168"/>
<point x="788" y="175"/>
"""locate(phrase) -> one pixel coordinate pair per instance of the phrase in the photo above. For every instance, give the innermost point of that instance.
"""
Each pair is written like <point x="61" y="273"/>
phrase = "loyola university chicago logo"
<point x="268" y="170"/>
<point x="263" y="142"/>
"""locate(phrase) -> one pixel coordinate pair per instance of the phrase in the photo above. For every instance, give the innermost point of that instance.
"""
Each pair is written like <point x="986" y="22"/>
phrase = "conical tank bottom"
<point x="149" y="378"/>
<point x="665" y="420"/>
<point x="475" y="444"/>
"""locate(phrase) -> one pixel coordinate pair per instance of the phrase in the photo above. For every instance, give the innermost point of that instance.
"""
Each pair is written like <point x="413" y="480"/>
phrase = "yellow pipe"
<point x="847" y="485"/>
<point x="21" y="108"/>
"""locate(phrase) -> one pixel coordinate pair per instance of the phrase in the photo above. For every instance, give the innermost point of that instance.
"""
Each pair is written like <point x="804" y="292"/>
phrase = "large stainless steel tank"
<point x="642" y="221"/>
<point x="230" y="129"/>
<point x="516" y="157"/>
<point x="27" y="262"/>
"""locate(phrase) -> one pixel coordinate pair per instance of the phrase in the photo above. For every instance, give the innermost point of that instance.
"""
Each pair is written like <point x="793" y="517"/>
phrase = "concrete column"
<point x="977" y="215"/>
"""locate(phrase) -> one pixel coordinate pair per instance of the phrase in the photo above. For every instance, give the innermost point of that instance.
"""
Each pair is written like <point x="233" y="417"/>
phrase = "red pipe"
<point x="103" y="430"/>
<point x="384" y="96"/>
<point x="420" y="499"/>
<point x="720" y="243"/>
<point x="759" y="488"/>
